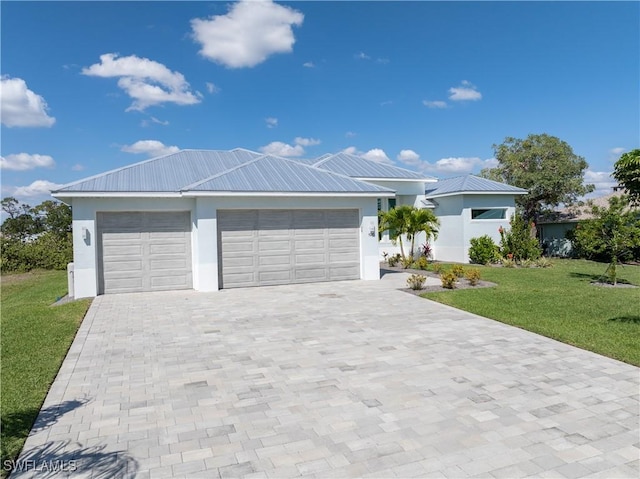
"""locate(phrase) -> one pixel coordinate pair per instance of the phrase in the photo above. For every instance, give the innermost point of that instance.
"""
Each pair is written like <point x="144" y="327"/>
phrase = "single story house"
<point x="212" y="219"/>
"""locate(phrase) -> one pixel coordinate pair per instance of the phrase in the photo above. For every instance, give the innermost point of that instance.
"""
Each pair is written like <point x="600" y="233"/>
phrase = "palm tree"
<point x="395" y="221"/>
<point x="408" y="220"/>
<point x="421" y="220"/>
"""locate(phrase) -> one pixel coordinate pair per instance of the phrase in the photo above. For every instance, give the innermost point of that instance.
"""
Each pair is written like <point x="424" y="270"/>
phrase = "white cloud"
<point x="279" y="148"/>
<point x="602" y="180"/>
<point x="37" y="188"/>
<point x="271" y="122"/>
<point x="378" y="155"/>
<point x="434" y="103"/>
<point x="20" y="106"/>
<point x="248" y="34"/>
<point x="152" y="148"/>
<point x="362" y="56"/>
<point x="212" y="88"/>
<point x="386" y="103"/>
<point x="153" y="119"/>
<point x="146" y="81"/>
<point x="306" y="141"/>
<point x="350" y="134"/>
<point x="77" y="167"/>
<point x="309" y="65"/>
<point x="352" y="150"/>
<point x="383" y="61"/>
<point x="409" y="157"/>
<point x="457" y="165"/>
<point x="617" y="150"/>
<point x="465" y="92"/>
<point x="25" y="161"/>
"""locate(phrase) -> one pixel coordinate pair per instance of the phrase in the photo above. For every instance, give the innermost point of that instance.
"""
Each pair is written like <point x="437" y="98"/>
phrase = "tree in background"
<point x="543" y="165"/>
<point x="627" y="172"/>
<point x="613" y="234"/>
<point x="38" y="237"/>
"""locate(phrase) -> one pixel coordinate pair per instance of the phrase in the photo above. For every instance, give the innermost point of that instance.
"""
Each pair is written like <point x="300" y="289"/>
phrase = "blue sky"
<point x="430" y="86"/>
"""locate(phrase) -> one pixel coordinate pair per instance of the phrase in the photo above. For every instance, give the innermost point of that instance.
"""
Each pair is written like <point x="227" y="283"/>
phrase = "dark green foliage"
<point x="519" y="242"/>
<point x="409" y="221"/>
<point x="627" y="172"/>
<point x="543" y="165"/>
<point x="35" y="238"/>
<point x="483" y="250"/>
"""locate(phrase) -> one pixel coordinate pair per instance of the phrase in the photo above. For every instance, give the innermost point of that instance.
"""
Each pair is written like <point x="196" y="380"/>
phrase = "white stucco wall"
<point x="204" y="239"/>
<point x="457" y="228"/>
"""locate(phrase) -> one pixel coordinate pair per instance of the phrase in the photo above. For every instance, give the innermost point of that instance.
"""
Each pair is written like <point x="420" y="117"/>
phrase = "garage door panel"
<point x="289" y="246"/>
<point x="144" y="251"/>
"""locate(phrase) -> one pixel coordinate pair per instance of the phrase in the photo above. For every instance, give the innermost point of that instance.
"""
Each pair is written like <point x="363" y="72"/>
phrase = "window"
<point x="489" y="214"/>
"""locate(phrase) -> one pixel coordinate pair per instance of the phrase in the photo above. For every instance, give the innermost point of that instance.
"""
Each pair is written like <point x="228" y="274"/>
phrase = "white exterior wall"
<point x="450" y="243"/>
<point x="204" y="239"/>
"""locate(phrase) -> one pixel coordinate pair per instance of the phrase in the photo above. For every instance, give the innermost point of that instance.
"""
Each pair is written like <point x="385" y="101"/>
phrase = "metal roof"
<point x="274" y="174"/>
<point x="358" y="167"/>
<point x="469" y="184"/>
<point x="168" y="173"/>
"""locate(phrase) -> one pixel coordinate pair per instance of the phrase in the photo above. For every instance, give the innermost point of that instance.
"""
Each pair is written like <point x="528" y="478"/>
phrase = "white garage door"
<point x="144" y="251"/>
<point x="268" y="247"/>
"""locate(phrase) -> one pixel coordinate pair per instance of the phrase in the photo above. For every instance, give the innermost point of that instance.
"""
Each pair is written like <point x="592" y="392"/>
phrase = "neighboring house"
<point x="209" y="219"/>
<point x="553" y="227"/>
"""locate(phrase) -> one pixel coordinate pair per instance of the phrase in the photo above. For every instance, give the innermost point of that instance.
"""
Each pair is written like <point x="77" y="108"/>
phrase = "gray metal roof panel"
<point x="167" y="173"/>
<point x="470" y="184"/>
<point x="274" y="174"/>
<point x="358" y="167"/>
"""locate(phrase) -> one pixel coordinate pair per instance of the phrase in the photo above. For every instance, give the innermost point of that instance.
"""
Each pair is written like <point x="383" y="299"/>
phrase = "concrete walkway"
<point x="349" y="379"/>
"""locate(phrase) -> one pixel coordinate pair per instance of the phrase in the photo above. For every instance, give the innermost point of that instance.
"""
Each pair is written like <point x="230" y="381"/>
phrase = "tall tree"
<point x="408" y="221"/>
<point x="545" y="166"/>
<point x="395" y="221"/>
<point x="627" y="172"/>
<point x="419" y="221"/>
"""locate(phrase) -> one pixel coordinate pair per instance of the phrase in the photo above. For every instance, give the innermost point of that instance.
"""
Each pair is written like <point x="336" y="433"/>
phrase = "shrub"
<point x="421" y="263"/>
<point x="406" y="262"/>
<point x="458" y="270"/>
<point x="543" y="262"/>
<point x="437" y="268"/>
<point x="527" y="263"/>
<point x="483" y="250"/>
<point x="508" y="262"/>
<point x="473" y="276"/>
<point x="448" y="280"/>
<point x="520" y="240"/>
<point x="393" y="260"/>
<point x="48" y="251"/>
<point x="426" y="250"/>
<point x="416" y="281"/>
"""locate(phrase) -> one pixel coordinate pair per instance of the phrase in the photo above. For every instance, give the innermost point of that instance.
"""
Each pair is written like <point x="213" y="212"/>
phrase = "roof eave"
<point x="455" y="193"/>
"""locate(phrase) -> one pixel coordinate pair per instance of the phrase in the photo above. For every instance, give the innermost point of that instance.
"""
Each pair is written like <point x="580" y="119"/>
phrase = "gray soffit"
<point x="274" y="174"/>
<point x="358" y="167"/>
<point x="470" y="184"/>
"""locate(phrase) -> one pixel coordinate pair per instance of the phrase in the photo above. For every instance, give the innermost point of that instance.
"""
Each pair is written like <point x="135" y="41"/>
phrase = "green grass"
<point x="35" y="338"/>
<point x="560" y="303"/>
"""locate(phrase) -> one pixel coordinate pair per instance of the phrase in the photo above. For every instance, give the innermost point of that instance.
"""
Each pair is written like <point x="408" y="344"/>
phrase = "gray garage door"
<point x="144" y="251"/>
<point x="268" y="247"/>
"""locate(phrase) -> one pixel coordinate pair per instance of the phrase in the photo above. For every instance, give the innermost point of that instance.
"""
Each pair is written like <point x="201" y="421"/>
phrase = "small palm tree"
<point x="409" y="221"/>
<point x="421" y="220"/>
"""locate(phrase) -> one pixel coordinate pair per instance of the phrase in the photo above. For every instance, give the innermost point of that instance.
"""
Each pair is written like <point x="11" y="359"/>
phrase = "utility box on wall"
<point x="70" y="280"/>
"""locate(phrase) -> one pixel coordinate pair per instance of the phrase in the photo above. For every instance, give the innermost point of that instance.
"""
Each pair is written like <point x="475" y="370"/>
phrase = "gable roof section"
<point x="167" y="173"/>
<point x="470" y="184"/>
<point x="358" y="167"/>
<point x="270" y="174"/>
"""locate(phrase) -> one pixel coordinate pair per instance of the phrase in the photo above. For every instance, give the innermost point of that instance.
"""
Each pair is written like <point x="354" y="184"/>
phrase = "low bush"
<point x="406" y="262"/>
<point x="394" y="260"/>
<point x="416" y="281"/>
<point x="458" y="270"/>
<point x="520" y="240"/>
<point x="437" y="268"/>
<point x="483" y="250"/>
<point x="473" y="276"/>
<point x="448" y="279"/>
<point x="48" y="251"/>
<point x="508" y="262"/>
<point x="421" y="263"/>
<point x="543" y="262"/>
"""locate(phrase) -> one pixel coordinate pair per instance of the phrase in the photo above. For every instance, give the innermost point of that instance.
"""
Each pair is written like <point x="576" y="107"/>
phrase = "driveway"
<point x="348" y="379"/>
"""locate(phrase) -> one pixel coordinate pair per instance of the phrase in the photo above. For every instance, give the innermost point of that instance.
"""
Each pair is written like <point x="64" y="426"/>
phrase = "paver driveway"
<point x="345" y="379"/>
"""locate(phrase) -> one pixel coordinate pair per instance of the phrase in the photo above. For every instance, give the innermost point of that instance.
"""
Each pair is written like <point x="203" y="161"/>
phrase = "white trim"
<point x="456" y="193"/>
<point x="375" y="194"/>
<point x="414" y="180"/>
<point x="115" y="194"/>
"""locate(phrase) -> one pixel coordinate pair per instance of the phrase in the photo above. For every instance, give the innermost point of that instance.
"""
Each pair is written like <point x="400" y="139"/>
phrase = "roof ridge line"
<point x="193" y="185"/>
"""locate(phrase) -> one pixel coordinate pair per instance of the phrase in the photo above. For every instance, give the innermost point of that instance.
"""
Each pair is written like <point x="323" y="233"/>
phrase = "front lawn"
<point x="34" y="340"/>
<point x="561" y="303"/>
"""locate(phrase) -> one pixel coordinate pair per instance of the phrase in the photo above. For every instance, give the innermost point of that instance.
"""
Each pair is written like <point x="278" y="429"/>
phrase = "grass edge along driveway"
<point x="35" y="338"/>
<point x="560" y="303"/>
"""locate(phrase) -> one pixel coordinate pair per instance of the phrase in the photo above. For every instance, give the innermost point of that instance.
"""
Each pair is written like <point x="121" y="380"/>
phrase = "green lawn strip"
<point x="560" y="303"/>
<point x="35" y="338"/>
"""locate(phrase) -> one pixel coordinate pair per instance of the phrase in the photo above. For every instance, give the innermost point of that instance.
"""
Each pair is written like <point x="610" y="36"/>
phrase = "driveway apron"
<point x="345" y="379"/>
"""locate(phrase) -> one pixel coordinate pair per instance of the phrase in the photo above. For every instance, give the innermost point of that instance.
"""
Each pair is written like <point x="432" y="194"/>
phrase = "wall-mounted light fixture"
<point x="85" y="233"/>
<point x="372" y="229"/>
